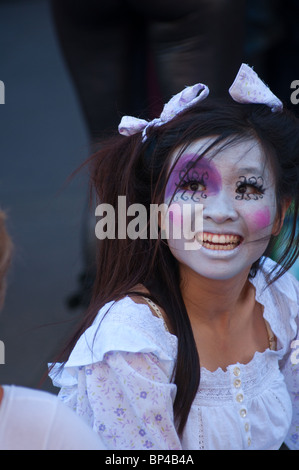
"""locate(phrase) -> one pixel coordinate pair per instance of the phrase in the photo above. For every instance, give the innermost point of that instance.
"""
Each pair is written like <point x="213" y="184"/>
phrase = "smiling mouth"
<point x="214" y="241"/>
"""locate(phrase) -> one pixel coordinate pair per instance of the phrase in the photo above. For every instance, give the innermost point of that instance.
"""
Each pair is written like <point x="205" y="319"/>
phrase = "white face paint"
<point x="236" y="190"/>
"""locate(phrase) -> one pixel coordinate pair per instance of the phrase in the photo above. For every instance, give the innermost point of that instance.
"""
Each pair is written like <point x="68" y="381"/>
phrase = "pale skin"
<point x="227" y="328"/>
<point x="226" y="319"/>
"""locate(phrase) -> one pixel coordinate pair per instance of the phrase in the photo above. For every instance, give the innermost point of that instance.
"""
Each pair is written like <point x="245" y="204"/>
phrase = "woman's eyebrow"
<point x="250" y="169"/>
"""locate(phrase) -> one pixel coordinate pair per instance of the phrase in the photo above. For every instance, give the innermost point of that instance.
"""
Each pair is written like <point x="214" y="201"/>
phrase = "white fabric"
<point x="118" y="378"/>
<point x="36" y="420"/>
<point x="130" y="125"/>
<point x="249" y="88"/>
<point x="246" y="88"/>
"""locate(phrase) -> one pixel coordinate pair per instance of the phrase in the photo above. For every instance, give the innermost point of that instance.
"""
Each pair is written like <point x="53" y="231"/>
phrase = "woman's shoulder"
<point x="123" y="325"/>
<point x="135" y="311"/>
<point x="135" y="301"/>
<point x="280" y="300"/>
<point x="286" y="285"/>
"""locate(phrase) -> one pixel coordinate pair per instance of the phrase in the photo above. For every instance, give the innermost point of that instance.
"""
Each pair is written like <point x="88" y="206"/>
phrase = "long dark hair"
<point x="126" y="166"/>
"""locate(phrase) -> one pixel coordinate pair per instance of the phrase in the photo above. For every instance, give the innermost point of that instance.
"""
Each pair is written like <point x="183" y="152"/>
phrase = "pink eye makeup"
<point x="193" y="185"/>
<point x="193" y="180"/>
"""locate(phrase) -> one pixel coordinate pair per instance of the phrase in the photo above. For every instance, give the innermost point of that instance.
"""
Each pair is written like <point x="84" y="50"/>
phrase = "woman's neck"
<point x="209" y="300"/>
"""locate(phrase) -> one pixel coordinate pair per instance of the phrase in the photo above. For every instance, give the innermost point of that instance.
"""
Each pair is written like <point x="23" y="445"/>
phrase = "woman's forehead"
<point x="244" y="154"/>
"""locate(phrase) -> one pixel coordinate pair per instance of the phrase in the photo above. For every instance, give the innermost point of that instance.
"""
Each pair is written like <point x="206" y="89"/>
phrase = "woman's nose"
<point x="220" y="208"/>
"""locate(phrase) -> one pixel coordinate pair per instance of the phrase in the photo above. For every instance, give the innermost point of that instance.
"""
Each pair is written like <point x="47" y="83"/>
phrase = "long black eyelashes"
<point x="247" y="188"/>
<point x="254" y="182"/>
<point x="186" y="178"/>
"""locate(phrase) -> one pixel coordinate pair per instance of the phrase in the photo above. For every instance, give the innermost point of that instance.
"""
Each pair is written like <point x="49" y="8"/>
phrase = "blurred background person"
<point x="32" y="419"/>
<point x="131" y="56"/>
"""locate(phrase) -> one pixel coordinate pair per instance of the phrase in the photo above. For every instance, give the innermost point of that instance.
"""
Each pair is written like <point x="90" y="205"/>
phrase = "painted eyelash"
<point x="188" y="179"/>
<point x="192" y="176"/>
<point x="254" y="182"/>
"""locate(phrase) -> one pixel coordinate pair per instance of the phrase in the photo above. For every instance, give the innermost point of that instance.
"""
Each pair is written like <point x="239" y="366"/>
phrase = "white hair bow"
<point x="247" y="88"/>
<point x="130" y="125"/>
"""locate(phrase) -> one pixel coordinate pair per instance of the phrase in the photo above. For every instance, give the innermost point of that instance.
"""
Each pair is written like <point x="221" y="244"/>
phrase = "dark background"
<point x="42" y="141"/>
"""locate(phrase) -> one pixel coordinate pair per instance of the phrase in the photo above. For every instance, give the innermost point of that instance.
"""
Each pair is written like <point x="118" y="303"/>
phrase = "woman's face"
<point x="229" y="203"/>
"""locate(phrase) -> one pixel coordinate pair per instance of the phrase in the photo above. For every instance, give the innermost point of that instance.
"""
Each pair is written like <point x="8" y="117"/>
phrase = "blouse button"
<point x="237" y="371"/>
<point x="243" y="413"/>
<point x="239" y="398"/>
<point x="249" y="441"/>
<point x="237" y="383"/>
<point x="246" y="427"/>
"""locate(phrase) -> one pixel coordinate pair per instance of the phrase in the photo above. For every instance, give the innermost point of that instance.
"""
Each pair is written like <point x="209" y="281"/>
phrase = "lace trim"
<point x="201" y="443"/>
<point x="213" y="385"/>
<point x="271" y="337"/>
<point x="157" y="310"/>
<point x="255" y="377"/>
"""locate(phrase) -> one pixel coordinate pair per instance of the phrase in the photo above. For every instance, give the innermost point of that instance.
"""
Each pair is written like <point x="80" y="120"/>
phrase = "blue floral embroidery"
<point x="143" y="394"/>
<point x="148" y="444"/>
<point x="119" y="411"/>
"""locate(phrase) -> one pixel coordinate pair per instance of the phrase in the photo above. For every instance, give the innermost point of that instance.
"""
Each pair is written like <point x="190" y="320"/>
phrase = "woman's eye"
<point x="193" y="186"/>
<point x="248" y="189"/>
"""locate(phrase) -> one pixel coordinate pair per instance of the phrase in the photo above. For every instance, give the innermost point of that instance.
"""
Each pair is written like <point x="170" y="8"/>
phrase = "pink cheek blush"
<point x="260" y="219"/>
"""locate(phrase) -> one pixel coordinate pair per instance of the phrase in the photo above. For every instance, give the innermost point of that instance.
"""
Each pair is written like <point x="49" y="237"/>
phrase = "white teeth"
<point x="219" y="247"/>
<point x="215" y="241"/>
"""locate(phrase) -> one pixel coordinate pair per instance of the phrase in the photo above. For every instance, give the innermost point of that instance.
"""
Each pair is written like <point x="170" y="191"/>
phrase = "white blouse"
<point x="118" y="378"/>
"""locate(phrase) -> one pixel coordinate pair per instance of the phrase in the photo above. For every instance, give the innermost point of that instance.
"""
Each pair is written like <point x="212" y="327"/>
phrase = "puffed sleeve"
<point x="123" y="388"/>
<point x="290" y="371"/>
<point x="132" y="402"/>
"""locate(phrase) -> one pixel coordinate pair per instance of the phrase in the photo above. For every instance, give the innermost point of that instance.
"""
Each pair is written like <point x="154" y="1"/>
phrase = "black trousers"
<point x="131" y="56"/>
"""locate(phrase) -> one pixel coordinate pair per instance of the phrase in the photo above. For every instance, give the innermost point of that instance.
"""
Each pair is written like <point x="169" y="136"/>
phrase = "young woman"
<point x="190" y="339"/>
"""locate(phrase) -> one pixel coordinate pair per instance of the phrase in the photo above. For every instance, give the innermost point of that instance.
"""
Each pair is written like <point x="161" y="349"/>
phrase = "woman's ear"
<point x="279" y="222"/>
